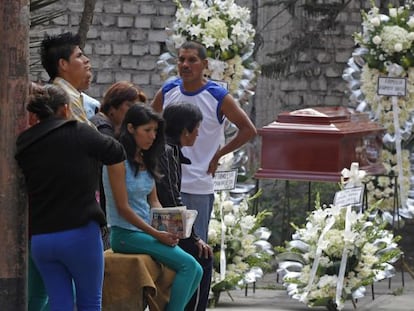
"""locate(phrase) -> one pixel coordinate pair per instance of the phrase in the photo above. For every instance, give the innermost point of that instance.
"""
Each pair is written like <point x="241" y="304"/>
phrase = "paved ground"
<point x="389" y="295"/>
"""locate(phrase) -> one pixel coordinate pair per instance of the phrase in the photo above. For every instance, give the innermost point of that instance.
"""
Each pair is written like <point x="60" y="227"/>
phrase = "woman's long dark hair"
<point x="139" y="115"/>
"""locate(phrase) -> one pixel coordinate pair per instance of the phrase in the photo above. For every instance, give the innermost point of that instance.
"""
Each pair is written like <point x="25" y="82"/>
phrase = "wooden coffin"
<point x="315" y="144"/>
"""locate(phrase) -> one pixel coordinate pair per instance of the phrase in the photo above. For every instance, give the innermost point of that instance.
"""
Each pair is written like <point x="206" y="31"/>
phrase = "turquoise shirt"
<point x="138" y="188"/>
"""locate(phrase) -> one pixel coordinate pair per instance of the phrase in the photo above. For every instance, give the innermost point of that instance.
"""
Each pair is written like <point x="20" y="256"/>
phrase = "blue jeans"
<point x="187" y="270"/>
<point x="203" y="204"/>
<point x="72" y="254"/>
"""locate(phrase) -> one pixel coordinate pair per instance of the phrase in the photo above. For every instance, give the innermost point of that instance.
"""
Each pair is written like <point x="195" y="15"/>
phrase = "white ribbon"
<point x="330" y="222"/>
<point x="396" y="111"/>
<point x="352" y="177"/>
<point x="344" y="259"/>
<point x="379" y="108"/>
<point x="223" y="242"/>
<point x="394" y="70"/>
<point x="217" y="68"/>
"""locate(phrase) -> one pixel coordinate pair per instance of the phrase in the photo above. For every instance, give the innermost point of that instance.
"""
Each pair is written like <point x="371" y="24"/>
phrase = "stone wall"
<point x="127" y="37"/>
<point x="124" y="41"/>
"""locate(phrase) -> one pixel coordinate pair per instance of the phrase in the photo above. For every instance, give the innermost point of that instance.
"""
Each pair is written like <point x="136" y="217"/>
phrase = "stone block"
<point x="139" y="49"/>
<point x="167" y="10"/>
<point x="141" y="79"/>
<point x="129" y="62"/>
<point x="121" y="48"/>
<point x="319" y="84"/>
<point x="122" y="76"/>
<point x="333" y="71"/>
<point x="92" y="33"/>
<point x="112" y="7"/>
<point x="294" y="85"/>
<point x="104" y="77"/>
<point x="155" y="49"/>
<point x="102" y="48"/>
<point x="138" y="35"/>
<point x="148" y="9"/>
<point x="114" y="35"/>
<point x="130" y="8"/>
<point x="143" y="22"/>
<point x="147" y="63"/>
<point x="157" y="36"/>
<point x="160" y="22"/>
<point x="125" y="21"/>
<point x="107" y="20"/>
<point x="111" y="62"/>
<point x="342" y="56"/>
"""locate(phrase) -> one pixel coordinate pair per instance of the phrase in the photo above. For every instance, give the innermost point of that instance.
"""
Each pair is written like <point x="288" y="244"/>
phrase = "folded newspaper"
<point x="178" y="220"/>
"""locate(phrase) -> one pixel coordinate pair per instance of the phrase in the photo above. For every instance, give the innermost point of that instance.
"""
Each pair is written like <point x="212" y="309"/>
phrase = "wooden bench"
<point x="133" y="281"/>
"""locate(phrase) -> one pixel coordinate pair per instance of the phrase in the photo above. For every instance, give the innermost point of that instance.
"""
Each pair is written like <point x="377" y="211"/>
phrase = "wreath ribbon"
<point x="344" y="259"/>
<point x="396" y="111"/>
<point x="395" y="70"/>
<point x="222" y="242"/>
<point x="315" y="265"/>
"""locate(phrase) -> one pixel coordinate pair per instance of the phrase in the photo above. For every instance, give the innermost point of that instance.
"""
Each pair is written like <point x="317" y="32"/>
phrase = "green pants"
<point x="37" y="299"/>
<point x="188" y="271"/>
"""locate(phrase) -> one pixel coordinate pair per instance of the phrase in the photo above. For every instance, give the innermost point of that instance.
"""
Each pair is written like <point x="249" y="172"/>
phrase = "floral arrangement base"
<point x="239" y="241"/>
<point x="338" y="252"/>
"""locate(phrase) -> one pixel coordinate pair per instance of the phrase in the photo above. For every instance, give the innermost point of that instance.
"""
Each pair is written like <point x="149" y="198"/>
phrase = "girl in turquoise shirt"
<point x="130" y="192"/>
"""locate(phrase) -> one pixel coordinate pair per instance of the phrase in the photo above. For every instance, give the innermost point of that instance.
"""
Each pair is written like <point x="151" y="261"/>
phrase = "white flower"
<point x="229" y="220"/>
<point x="398" y="47"/>
<point x="221" y="25"/>
<point x="195" y="30"/>
<point x="178" y="40"/>
<point x="377" y="40"/>
<point x="393" y="12"/>
<point x="410" y="22"/>
<point x="393" y="36"/>
<point x="247" y="222"/>
<point x="375" y="21"/>
<point x="225" y="43"/>
<point x="224" y="28"/>
<point x="227" y="206"/>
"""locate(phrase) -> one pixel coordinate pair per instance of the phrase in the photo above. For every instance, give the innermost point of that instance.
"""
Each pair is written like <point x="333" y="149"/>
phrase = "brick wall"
<point x="124" y="40"/>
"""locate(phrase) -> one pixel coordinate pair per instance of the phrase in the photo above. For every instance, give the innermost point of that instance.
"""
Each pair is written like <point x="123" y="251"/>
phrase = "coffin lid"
<point x="317" y="115"/>
<point x="339" y="120"/>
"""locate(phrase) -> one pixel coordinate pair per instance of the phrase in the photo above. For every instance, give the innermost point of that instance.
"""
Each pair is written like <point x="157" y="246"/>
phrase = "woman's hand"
<point x="167" y="238"/>
<point x="204" y="249"/>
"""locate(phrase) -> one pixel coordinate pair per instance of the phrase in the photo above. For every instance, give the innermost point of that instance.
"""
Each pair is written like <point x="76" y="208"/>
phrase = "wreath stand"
<point x="395" y="225"/>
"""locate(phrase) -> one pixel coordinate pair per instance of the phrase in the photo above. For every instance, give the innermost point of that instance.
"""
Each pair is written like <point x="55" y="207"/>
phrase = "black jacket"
<point x="169" y="185"/>
<point x="60" y="162"/>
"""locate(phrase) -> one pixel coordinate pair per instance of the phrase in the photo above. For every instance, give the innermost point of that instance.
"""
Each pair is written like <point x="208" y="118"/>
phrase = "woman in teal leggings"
<point x="130" y="192"/>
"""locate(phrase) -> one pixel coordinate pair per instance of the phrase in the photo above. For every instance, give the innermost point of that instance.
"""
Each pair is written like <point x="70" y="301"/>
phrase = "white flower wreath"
<point x="386" y="48"/>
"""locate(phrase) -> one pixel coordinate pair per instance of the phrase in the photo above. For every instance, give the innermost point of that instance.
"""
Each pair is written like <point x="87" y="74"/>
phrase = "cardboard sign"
<point x="392" y="86"/>
<point x="225" y="180"/>
<point x="351" y="196"/>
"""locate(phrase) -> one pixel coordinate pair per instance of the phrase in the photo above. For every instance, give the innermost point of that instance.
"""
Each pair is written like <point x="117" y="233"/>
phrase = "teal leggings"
<point x="188" y="270"/>
<point x="38" y="299"/>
